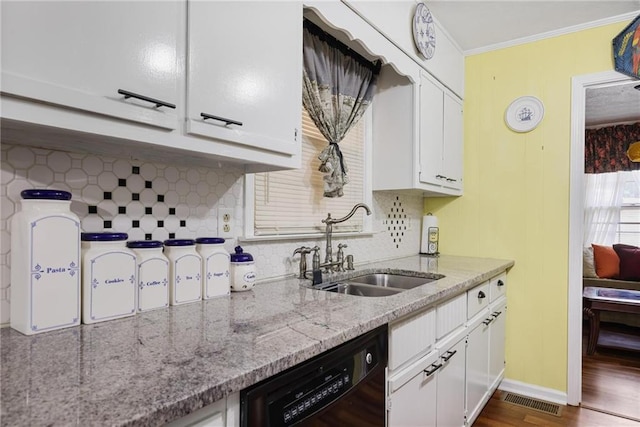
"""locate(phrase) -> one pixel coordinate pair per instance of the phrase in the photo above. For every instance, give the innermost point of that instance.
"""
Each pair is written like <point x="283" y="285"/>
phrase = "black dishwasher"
<point x="344" y="386"/>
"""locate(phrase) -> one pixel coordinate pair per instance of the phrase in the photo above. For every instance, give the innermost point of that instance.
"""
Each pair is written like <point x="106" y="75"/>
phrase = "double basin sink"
<point x="377" y="284"/>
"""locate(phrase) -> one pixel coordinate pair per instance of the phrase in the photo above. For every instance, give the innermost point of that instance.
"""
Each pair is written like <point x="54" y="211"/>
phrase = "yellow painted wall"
<point x="516" y="190"/>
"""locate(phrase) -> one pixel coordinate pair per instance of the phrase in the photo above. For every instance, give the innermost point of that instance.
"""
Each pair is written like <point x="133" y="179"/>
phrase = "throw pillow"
<point x="629" y="261"/>
<point x="588" y="265"/>
<point x="607" y="262"/>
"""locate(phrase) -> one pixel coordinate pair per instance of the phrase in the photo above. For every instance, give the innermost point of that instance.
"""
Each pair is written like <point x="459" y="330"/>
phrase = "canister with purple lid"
<point x="243" y="271"/>
<point x="153" y="274"/>
<point x="45" y="262"/>
<point x="185" y="271"/>
<point x="108" y="277"/>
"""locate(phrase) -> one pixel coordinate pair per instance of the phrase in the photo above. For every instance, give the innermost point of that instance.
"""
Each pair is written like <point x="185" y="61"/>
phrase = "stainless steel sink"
<point x="358" y="289"/>
<point x="398" y="281"/>
<point x="377" y="284"/>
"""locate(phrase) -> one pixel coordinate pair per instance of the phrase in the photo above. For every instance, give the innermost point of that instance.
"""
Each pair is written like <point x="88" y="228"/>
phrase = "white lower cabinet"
<point x="412" y="401"/>
<point x="451" y="382"/>
<point x="497" y="343"/>
<point x="223" y="413"/>
<point x="448" y="382"/>
<point x="477" y="364"/>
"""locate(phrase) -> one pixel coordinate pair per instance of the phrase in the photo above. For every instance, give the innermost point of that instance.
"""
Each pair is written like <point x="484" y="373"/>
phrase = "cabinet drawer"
<point x="477" y="299"/>
<point x="498" y="287"/>
<point x="450" y="315"/>
<point x="410" y="337"/>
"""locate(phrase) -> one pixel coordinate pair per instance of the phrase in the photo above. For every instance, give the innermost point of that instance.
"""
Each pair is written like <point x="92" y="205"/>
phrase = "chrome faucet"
<point x="328" y="255"/>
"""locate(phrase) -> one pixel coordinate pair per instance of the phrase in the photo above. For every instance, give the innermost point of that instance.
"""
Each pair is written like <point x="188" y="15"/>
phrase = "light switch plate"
<point x="226" y="224"/>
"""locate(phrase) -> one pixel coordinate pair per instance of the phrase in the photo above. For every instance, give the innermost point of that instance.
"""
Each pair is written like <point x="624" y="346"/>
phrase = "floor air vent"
<point x="537" y="405"/>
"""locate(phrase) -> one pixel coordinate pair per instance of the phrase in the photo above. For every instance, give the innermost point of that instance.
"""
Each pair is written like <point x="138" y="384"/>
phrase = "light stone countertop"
<point x="161" y="365"/>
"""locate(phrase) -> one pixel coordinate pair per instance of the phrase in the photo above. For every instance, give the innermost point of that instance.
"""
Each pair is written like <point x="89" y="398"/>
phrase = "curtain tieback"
<point x="339" y="153"/>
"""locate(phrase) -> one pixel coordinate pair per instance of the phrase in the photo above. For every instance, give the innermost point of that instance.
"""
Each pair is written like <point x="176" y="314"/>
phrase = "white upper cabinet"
<point x="441" y="156"/>
<point x="80" y="54"/>
<point x="244" y="74"/>
<point x="133" y="78"/>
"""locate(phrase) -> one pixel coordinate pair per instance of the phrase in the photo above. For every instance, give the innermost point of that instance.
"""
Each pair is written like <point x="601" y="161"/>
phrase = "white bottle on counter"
<point x="153" y="274"/>
<point x="185" y="271"/>
<point x="215" y="267"/>
<point x="108" y="277"/>
<point x="243" y="270"/>
<point x="45" y="263"/>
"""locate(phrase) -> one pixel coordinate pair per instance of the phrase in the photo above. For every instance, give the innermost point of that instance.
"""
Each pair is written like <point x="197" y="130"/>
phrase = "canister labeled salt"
<point x="185" y="271"/>
<point x="215" y="266"/>
<point x="153" y="274"/>
<point x="45" y="263"/>
<point x="108" y="277"/>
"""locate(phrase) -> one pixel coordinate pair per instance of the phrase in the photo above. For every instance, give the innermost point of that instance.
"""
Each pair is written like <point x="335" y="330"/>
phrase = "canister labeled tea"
<point x="45" y="263"/>
<point x="108" y="277"/>
<point x="185" y="271"/>
<point x="153" y="274"/>
<point x="215" y="266"/>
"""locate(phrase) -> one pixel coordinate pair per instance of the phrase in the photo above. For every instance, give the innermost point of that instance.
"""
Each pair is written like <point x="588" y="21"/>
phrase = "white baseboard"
<point x="533" y="391"/>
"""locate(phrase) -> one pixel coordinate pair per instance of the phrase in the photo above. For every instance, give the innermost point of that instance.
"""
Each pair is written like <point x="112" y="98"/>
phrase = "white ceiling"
<point x="478" y="26"/>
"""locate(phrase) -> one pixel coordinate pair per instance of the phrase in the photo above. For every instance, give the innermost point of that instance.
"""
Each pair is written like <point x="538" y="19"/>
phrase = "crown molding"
<point x="554" y="33"/>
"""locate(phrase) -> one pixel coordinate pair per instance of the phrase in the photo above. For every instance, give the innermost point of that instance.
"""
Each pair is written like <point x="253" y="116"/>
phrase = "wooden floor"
<point x="611" y="384"/>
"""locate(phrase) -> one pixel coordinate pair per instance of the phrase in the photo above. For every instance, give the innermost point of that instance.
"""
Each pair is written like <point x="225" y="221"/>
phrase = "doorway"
<point x="580" y="84"/>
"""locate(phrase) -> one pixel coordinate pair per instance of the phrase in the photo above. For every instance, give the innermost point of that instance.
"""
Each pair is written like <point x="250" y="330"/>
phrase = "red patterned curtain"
<point x="605" y="149"/>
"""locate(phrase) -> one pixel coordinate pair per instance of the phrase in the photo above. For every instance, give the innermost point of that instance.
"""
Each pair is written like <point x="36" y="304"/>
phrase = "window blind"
<point x="292" y="202"/>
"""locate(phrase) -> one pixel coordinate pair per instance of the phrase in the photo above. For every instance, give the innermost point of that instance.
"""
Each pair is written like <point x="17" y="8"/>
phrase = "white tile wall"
<point x="159" y="201"/>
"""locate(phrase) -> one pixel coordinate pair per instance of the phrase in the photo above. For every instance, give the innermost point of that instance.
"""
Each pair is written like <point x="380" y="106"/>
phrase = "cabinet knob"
<point x="158" y="103"/>
<point x="500" y="283"/>
<point x="481" y="295"/>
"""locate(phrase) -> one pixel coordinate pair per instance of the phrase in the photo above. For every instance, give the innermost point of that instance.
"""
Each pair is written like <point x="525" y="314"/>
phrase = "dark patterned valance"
<point x="605" y="149"/>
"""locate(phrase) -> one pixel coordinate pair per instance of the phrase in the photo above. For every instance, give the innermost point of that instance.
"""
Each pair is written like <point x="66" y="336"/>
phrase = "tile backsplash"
<point x="158" y="201"/>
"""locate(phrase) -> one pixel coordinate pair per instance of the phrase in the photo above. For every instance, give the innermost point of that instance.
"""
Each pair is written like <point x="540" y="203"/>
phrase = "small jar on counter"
<point x="108" y="277"/>
<point x="215" y="266"/>
<point x="153" y="274"/>
<point x="45" y="263"/>
<point x="185" y="271"/>
<point x="243" y="272"/>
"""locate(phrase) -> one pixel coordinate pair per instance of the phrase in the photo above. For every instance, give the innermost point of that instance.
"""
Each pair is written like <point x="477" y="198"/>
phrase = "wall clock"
<point x="424" y="31"/>
<point x="524" y="114"/>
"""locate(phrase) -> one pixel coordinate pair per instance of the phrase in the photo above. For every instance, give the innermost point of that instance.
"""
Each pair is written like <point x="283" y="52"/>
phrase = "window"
<point x="629" y="223"/>
<point x="291" y="202"/>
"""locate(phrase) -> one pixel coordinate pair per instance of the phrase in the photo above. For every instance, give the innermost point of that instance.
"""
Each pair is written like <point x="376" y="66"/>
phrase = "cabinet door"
<point x="496" y="344"/>
<point x="79" y="54"/>
<point x="452" y="157"/>
<point x="431" y="131"/>
<point x="477" y="365"/>
<point x="245" y="67"/>
<point x="413" y="394"/>
<point x="451" y="383"/>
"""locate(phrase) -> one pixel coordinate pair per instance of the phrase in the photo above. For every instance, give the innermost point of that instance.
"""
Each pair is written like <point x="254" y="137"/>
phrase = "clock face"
<point x="424" y="31"/>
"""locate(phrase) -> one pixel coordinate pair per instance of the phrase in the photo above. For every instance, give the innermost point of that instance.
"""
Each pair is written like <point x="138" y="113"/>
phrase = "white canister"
<point x="215" y="266"/>
<point x="45" y="263"/>
<point x="243" y="271"/>
<point x="108" y="277"/>
<point x="153" y="274"/>
<point x="185" y="275"/>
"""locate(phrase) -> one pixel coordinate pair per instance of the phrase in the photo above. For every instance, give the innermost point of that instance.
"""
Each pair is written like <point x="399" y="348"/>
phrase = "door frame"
<point x="580" y="84"/>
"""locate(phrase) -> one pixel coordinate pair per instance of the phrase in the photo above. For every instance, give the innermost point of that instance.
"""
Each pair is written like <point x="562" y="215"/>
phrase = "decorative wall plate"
<point x="524" y="114"/>
<point x="424" y="31"/>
